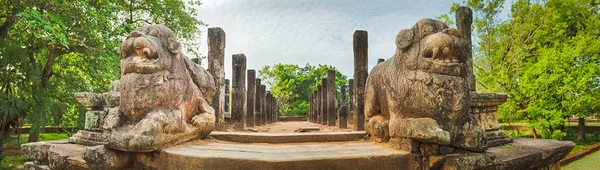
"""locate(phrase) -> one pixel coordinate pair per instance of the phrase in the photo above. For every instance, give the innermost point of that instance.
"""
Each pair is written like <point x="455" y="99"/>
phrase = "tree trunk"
<point x="581" y="134"/>
<point x="37" y="126"/>
<point x="535" y="135"/>
<point x="4" y="134"/>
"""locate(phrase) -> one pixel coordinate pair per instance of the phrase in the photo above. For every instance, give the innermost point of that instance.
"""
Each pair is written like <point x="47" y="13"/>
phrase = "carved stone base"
<point x="88" y="138"/>
<point x="496" y="138"/>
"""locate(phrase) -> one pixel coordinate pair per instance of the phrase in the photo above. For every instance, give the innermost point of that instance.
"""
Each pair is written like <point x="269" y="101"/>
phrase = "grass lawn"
<point x="566" y="124"/>
<point x="14" y="158"/>
<point x="585" y="163"/>
<point x="590" y="139"/>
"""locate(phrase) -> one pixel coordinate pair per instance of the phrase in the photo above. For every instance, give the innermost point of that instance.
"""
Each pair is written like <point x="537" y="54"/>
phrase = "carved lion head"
<point x="149" y="49"/>
<point x="430" y="46"/>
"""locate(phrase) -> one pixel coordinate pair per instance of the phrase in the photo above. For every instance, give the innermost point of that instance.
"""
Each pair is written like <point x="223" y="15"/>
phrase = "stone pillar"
<point x="250" y="93"/>
<point x="314" y="108"/>
<point x="239" y="90"/>
<point x="311" y="104"/>
<point x="227" y="96"/>
<point x="263" y="104"/>
<point x="324" y="102"/>
<point x="273" y="111"/>
<point x="257" y="103"/>
<point x="361" y="61"/>
<point x="268" y="108"/>
<point x="343" y="113"/>
<point x="216" y="61"/>
<point x="319" y="104"/>
<point x="351" y="96"/>
<point x="464" y="19"/>
<point x="331" y="95"/>
<point x="380" y="60"/>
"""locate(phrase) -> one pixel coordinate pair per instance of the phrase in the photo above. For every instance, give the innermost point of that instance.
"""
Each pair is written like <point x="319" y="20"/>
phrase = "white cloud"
<point x="311" y="31"/>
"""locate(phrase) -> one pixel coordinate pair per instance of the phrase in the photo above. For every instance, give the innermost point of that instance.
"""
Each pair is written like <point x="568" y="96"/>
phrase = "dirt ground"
<point x="291" y="126"/>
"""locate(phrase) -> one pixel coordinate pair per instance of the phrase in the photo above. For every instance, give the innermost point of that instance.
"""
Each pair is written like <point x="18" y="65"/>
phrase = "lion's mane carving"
<point x="163" y="94"/>
<point x="421" y="93"/>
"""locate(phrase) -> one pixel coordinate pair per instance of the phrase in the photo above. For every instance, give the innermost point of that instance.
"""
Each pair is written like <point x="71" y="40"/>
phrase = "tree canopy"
<point x="293" y="85"/>
<point x="50" y="49"/>
<point x="546" y="56"/>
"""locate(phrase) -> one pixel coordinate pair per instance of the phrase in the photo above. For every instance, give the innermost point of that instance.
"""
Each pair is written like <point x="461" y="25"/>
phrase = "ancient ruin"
<point x="421" y="103"/>
<point x="421" y="93"/>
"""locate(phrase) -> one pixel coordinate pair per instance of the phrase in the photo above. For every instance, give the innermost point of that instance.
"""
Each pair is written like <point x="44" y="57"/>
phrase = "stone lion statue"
<point x="421" y="93"/>
<point x="164" y="95"/>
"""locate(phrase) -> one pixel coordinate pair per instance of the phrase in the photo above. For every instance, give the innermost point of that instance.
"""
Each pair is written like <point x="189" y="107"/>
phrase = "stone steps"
<point x="246" y="137"/>
<point x="216" y="154"/>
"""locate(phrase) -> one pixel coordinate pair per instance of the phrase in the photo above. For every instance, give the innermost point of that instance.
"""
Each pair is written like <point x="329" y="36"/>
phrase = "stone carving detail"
<point x="164" y="96"/>
<point x="421" y="93"/>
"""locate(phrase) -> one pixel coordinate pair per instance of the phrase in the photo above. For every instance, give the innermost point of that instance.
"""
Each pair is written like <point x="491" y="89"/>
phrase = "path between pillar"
<point x="290" y="126"/>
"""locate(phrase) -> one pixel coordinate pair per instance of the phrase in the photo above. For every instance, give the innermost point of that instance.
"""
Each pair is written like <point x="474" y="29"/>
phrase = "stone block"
<point x="94" y="119"/>
<point x="409" y="145"/>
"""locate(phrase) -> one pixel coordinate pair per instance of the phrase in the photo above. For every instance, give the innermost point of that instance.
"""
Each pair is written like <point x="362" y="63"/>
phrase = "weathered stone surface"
<point x="263" y="104"/>
<point x="33" y="166"/>
<point x="319" y="114"/>
<point x="239" y="90"/>
<point x="216" y="67"/>
<point x="112" y="98"/>
<point x="324" y="101"/>
<point x="361" y="61"/>
<point x="472" y="161"/>
<point x="91" y="101"/>
<point x="422" y="90"/>
<point x="227" y="96"/>
<point x="464" y="19"/>
<point x="552" y="150"/>
<point x="428" y="149"/>
<point x="406" y="144"/>
<point x="58" y="154"/>
<point x="246" y="137"/>
<point x="38" y="152"/>
<point x="268" y="111"/>
<point x="351" y="96"/>
<point x="100" y="158"/>
<point x="496" y="138"/>
<point x="66" y="156"/>
<point x="250" y="99"/>
<point x="94" y="119"/>
<point x="163" y="94"/>
<point x="257" y="103"/>
<point x="89" y="138"/>
<point x="331" y="155"/>
<point x="331" y="96"/>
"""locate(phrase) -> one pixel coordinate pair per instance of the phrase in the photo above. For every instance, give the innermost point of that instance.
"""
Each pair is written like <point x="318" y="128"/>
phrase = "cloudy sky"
<point x="311" y="31"/>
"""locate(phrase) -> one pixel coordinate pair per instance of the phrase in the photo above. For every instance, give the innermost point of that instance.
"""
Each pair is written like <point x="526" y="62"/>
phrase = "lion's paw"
<point x="203" y="119"/>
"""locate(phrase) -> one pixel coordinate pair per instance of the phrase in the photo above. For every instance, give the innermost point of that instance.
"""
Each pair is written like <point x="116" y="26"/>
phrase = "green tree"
<point x="293" y="85"/>
<point x="545" y="56"/>
<point x="53" y="48"/>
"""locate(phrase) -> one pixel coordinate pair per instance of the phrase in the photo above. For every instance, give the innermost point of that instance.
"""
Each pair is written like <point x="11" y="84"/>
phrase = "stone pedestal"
<point x="94" y="117"/>
<point x="485" y="108"/>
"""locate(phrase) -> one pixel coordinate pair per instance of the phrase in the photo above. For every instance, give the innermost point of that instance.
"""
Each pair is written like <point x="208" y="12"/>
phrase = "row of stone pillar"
<point x="251" y="104"/>
<point x="323" y="100"/>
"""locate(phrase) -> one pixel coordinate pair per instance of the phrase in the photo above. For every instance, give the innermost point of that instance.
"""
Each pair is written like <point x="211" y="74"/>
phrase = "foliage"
<point x="545" y="56"/>
<point x="52" y="48"/>
<point x="293" y="85"/>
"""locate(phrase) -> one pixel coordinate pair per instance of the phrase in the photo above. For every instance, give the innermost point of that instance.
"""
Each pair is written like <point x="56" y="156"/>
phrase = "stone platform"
<point x="310" y="150"/>
<point x="245" y="137"/>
